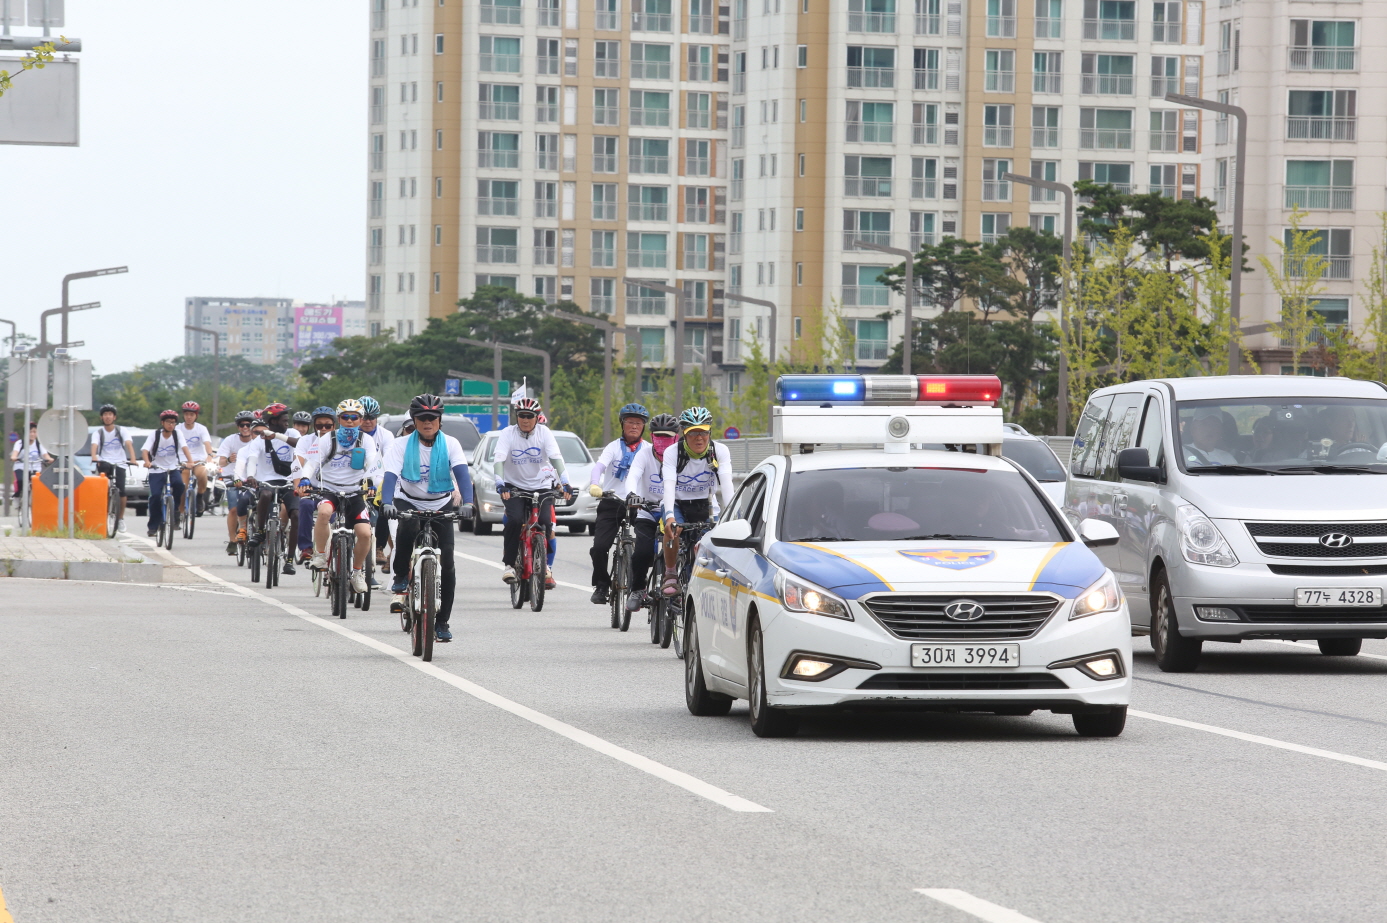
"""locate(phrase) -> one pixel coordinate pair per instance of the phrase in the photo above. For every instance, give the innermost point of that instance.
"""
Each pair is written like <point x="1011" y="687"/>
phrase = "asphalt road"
<point x="192" y="753"/>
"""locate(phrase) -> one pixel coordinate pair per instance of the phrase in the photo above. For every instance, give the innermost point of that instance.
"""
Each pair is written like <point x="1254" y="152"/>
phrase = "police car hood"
<point x="854" y="569"/>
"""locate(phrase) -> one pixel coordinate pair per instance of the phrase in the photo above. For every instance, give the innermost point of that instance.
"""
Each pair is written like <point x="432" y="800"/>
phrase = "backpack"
<point x="157" y="434"/>
<point x="281" y="467"/>
<point x="711" y="455"/>
<point x="120" y="438"/>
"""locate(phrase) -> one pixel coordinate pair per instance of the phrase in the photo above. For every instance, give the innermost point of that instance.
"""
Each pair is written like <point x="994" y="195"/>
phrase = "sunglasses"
<point x="349" y="417"/>
<point x="244" y="423"/>
<point x="525" y="416"/>
<point x="426" y="418"/>
<point x="322" y="426"/>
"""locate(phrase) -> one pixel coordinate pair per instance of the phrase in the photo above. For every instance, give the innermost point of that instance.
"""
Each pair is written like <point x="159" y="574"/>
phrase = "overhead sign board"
<point x="42" y="107"/>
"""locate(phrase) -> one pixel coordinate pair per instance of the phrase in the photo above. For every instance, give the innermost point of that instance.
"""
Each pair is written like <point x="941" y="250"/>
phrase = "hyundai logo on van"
<point x="1336" y="540"/>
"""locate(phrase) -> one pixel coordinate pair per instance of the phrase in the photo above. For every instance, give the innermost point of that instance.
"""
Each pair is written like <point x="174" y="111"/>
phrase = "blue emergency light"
<point x="821" y="389"/>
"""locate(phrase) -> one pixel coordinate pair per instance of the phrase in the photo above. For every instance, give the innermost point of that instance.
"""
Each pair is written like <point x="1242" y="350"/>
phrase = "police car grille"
<point x="1301" y="539"/>
<point x="948" y="681"/>
<point x="920" y="617"/>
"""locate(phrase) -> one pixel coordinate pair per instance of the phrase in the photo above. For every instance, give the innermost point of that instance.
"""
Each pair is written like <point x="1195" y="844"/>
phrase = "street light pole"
<point x="527" y="350"/>
<point x="607" y="343"/>
<point x="45" y="347"/>
<point x="909" y="296"/>
<point x="769" y="305"/>
<point x="216" y="372"/>
<point x="1235" y="282"/>
<point x="678" y="294"/>
<point x="1062" y="411"/>
<point x="14" y="334"/>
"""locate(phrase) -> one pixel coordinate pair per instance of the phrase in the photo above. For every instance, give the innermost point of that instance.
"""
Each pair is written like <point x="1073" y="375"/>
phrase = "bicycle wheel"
<point x="340" y="568"/>
<point x="189" y="510"/>
<point x="653" y="600"/>
<point x="429" y="590"/>
<point x="253" y="557"/>
<point x="676" y="628"/>
<point x="539" y="552"/>
<point x="112" y="509"/>
<point x="366" y="597"/>
<point x="616" y="594"/>
<point x="241" y="555"/>
<point x="627" y="589"/>
<point x="415" y="605"/>
<point x="270" y="542"/>
<point x="317" y="581"/>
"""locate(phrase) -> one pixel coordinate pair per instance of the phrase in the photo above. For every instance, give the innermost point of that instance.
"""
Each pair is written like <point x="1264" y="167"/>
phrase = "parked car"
<point x="457" y="425"/>
<point x="1035" y="455"/>
<point x="136" y="476"/>
<point x="1247" y="507"/>
<point x="578" y="514"/>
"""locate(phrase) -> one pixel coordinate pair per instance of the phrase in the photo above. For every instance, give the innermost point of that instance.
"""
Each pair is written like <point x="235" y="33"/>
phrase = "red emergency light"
<point x="960" y="390"/>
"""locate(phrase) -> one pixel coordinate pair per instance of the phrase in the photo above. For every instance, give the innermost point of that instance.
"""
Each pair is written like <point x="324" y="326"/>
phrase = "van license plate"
<point x="965" y="655"/>
<point x="1365" y="597"/>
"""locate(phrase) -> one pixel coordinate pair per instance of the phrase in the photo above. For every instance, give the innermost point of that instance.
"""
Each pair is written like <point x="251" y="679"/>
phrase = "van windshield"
<point x="1283" y="435"/>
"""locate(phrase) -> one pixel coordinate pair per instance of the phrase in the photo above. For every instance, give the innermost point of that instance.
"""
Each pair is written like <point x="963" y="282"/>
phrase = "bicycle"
<point x="272" y="548"/>
<point x="622" y="550"/>
<point x="170" y="509"/>
<point x="531" y="562"/>
<point x="189" y="508"/>
<point x="339" y="559"/>
<point x="673" y="629"/>
<point x="112" y="505"/>
<point x="425" y="589"/>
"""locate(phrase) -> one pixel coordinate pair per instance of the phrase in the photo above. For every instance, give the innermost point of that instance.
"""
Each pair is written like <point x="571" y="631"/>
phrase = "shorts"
<point x="353" y="507"/>
<point x="686" y="511"/>
<point x="108" y="468"/>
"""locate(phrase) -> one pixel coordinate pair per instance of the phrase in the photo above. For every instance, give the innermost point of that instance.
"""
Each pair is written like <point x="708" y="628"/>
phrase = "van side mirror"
<point x="1135" y="465"/>
<point x="1096" y="533"/>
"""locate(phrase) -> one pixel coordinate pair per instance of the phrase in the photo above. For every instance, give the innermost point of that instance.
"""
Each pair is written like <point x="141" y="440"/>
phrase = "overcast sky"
<point x="222" y="153"/>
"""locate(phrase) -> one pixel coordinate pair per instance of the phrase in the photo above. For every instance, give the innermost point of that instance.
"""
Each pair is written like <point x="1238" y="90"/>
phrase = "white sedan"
<point x="923" y="581"/>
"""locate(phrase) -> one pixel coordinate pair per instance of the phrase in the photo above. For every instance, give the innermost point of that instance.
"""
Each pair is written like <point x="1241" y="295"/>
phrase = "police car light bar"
<point x="937" y="390"/>
<point x="894" y="428"/>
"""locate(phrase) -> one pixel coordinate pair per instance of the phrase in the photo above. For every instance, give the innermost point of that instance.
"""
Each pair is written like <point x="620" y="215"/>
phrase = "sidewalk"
<point x="74" y="559"/>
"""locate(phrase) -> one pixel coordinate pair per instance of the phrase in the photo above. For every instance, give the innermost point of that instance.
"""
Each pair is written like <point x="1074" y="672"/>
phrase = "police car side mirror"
<point x="1097" y="533"/>
<point x="1135" y="465"/>
<point x="734" y="533"/>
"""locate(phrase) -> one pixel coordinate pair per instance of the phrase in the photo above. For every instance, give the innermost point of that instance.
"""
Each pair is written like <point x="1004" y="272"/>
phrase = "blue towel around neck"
<point x="440" y="478"/>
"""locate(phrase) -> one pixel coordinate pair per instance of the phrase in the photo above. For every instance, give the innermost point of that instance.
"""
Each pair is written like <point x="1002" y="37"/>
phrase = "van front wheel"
<point x="1174" y="654"/>
<point x="1340" y="647"/>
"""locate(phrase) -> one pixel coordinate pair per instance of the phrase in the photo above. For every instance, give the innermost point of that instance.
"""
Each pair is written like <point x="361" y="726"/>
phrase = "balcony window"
<point x="650" y="62"/>
<point x="498" y="245"/>
<point x="1001" y="18"/>
<point x="547" y="104"/>
<point x="701" y="61"/>
<point x="607" y="60"/>
<point x="641" y="300"/>
<point x="871" y="227"/>
<point x="546" y="152"/>
<point x="738" y="179"/>
<point x="1165" y="22"/>
<point x="498" y="150"/>
<point x="926" y="17"/>
<point x="995" y="226"/>
<point x="499" y="55"/>
<point x="498" y="197"/>
<point x="606" y="106"/>
<point x="1108" y="74"/>
<point x="499" y="101"/>
<point x="1164" y="180"/>
<point x="1319" y="45"/>
<point x="1334" y="247"/>
<point x="994" y="188"/>
<point x="1319" y="184"/>
<point x="926" y="68"/>
<point x="603" y="249"/>
<point x="1046" y="170"/>
<point x="924" y="177"/>
<point x="604" y="154"/>
<point x="1105" y="129"/>
<point x="867" y="176"/>
<point x="549" y="13"/>
<point x="647" y="203"/>
<point x="997" y="126"/>
<point x="738" y="138"/>
<point x="698" y="110"/>
<point x="650" y="108"/>
<point x="871" y="340"/>
<point x="1117" y="175"/>
<point x="698" y="157"/>
<point x="646" y="251"/>
<point x="652" y="340"/>
<point x="871" y="122"/>
<point x="547" y="56"/>
<point x="608" y="17"/>
<point x="1322" y="115"/>
<point x="1110" y="20"/>
<point x="999" y="71"/>
<point x="1045" y="126"/>
<point x="652" y="16"/>
<point x="648" y="155"/>
<point x="1165" y="130"/>
<point x="696" y="204"/>
<point x="1047" y="72"/>
<point x="545" y="251"/>
<point x="924" y="123"/>
<point x="1049" y="18"/>
<point x="871" y="15"/>
<point x="1165" y="75"/>
<point x="696" y="252"/>
<point x="871" y="67"/>
<point x="695" y="344"/>
<point x="921" y="230"/>
<point x="862" y="288"/>
<point x="504" y="12"/>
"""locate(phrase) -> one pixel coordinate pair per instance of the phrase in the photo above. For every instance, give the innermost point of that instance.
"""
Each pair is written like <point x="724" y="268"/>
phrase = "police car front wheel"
<point x="765" y="720"/>
<point x="1102" y="724"/>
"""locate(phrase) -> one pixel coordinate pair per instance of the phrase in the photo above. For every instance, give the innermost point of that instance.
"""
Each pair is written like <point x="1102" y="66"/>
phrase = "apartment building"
<point x="561" y="147"/>
<point x="1316" y="140"/>
<point x="260" y="329"/>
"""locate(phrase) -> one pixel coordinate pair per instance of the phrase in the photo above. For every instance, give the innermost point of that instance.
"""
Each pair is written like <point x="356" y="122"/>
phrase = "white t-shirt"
<point x="254" y="462"/>
<point x="111" y="445"/>
<point x="231" y="447"/>
<point x="34" y="460"/>
<point x="197" y="439"/>
<point x="168" y="454"/>
<point x="522" y="458"/>
<point x="697" y="480"/>
<point x="417" y="492"/>
<point x="607" y="467"/>
<point x="337" y="473"/>
<point x="646" y="479"/>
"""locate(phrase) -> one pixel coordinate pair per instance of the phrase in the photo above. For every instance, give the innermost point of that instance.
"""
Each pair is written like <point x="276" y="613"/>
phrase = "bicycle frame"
<point x="525" y="561"/>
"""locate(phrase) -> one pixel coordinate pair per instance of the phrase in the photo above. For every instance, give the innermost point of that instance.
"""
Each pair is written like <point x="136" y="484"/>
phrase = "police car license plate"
<point x="965" y="655"/>
<point x="1365" y="597"/>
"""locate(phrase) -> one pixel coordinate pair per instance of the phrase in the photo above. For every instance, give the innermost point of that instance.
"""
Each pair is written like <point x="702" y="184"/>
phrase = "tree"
<point x="1296" y="278"/>
<point x="1034" y="259"/>
<point x="1177" y="232"/>
<point x="36" y="60"/>
<point x="948" y="272"/>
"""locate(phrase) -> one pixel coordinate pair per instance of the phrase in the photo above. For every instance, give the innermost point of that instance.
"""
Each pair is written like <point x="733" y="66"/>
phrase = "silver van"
<point x="1247" y="506"/>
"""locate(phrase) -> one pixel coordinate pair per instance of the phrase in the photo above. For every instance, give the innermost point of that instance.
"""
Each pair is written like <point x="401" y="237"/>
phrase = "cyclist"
<point x="198" y="440"/>
<point x="226" y="459"/>
<point x="342" y="457"/>
<point x="266" y="468"/>
<point x="427" y="471"/>
<point x="609" y="474"/>
<point x="694" y="476"/>
<point x="113" y="453"/>
<point x="303" y="422"/>
<point x="522" y="451"/>
<point x="321" y="423"/>
<point x="645" y="486"/>
<point x="161" y="457"/>
<point x="370" y="424"/>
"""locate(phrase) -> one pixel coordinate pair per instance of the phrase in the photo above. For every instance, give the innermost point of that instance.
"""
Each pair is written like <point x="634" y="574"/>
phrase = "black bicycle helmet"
<point x="247" y="416"/>
<point x="426" y="403"/>
<point x="303" y="416"/>
<point x="664" y="424"/>
<point x="110" y="407"/>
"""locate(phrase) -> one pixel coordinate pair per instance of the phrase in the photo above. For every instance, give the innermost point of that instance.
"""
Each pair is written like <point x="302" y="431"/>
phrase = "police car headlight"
<point x="1200" y="540"/>
<point x="802" y="596"/>
<point x="1103" y="596"/>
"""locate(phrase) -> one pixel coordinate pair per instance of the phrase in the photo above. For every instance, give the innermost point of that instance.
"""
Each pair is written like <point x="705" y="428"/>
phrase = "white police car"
<point x="894" y="578"/>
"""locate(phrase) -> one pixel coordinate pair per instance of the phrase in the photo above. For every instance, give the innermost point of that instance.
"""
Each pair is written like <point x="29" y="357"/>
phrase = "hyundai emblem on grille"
<point x="1336" y="540"/>
<point x="964" y="610"/>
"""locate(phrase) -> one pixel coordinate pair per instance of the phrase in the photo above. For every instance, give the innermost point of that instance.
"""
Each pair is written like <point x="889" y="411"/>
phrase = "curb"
<point x="82" y="570"/>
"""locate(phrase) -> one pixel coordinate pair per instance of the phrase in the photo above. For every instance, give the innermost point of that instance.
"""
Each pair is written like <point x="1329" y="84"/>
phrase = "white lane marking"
<point x="1264" y="741"/>
<point x="983" y="910"/>
<point x="1311" y="646"/>
<point x="498" y="565"/>
<point x="591" y="741"/>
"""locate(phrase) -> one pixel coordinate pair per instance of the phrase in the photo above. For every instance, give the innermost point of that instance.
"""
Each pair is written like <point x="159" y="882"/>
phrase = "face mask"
<point x="346" y="435"/>
<point x="662" y="443"/>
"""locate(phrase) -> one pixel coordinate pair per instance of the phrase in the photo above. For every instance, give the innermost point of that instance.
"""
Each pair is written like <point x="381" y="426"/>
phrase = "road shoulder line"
<point x="1264" y="741"/>
<point x="975" y="906"/>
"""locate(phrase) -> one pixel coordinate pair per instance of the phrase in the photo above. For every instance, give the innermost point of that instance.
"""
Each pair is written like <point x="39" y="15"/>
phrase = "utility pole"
<point x="497" y="346"/>
<point x="770" y="305"/>
<point x="908" y="344"/>
<point x="607" y="342"/>
<point x="216" y="372"/>
<point x="1235" y="283"/>
<point x="678" y="294"/>
<point x="1062" y="411"/>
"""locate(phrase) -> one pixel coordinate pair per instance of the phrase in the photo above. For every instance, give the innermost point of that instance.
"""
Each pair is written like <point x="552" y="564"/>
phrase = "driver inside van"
<point x="1205" y="439"/>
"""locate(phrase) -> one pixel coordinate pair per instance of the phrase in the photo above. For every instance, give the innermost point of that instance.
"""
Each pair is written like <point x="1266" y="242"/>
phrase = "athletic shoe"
<point x="549" y="581"/>
<point x="636" y="601"/>
<point x="305" y="554"/>
<point x="288" y="568"/>
<point x="441" y="633"/>
<point x="599" y="596"/>
<point x="231" y="549"/>
<point x="241" y="535"/>
<point x="399" y="587"/>
<point x="397" y="603"/>
<point x="151" y="533"/>
<point x="318" y="561"/>
<point x="120" y="525"/>
<point x="381" y="559"/>
<point x="358" y="581"/>
<point x="507" y="574"/>
<point x="375" y="583"/>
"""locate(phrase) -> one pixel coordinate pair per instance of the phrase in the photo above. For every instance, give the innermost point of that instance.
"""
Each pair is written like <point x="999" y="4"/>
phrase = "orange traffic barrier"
<point x="90" y="507"/>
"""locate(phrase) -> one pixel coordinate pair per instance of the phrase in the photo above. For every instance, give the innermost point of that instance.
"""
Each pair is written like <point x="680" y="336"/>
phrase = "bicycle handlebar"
<point x="447" y="515"/>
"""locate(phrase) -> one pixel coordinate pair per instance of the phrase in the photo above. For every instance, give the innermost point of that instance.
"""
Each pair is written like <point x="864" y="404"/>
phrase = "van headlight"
<point x="1200" y="540"/>
<point x="802" y="596"/>
<point x="1103" y="596"/>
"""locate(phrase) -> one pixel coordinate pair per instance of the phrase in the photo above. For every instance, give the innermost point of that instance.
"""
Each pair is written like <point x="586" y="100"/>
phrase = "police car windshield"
<point x="898" y="504"/>
<point x="1293" y="435"/>
<point x="1035" y="457"/>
